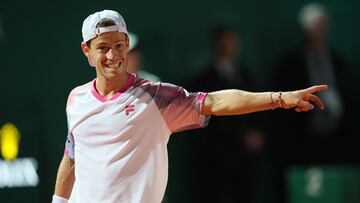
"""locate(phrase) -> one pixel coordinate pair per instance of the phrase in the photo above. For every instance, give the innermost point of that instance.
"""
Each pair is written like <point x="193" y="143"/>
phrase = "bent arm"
<point x="65" y="178"/>
<point x="236" y="102"/>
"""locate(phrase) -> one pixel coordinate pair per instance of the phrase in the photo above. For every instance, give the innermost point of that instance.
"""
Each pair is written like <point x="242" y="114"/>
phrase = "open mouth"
<point x="113" y="66"/>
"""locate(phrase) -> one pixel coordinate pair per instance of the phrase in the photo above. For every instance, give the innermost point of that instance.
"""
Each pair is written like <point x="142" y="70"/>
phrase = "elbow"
<point x="220" y="109"/>
<point x="214" y="105"/>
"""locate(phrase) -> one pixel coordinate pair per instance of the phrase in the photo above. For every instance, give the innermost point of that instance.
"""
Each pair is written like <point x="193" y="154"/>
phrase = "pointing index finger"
<point x="316" y="88"/>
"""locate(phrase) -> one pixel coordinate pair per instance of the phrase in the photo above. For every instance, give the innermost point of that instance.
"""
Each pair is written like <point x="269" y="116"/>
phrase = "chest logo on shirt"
<point x="129" y="108"/>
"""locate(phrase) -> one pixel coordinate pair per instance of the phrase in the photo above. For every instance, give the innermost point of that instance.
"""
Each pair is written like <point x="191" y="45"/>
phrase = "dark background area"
<point x="41" y="61"/>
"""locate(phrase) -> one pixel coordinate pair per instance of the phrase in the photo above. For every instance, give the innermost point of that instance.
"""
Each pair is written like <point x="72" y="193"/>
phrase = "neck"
<point x="107" y="88"/>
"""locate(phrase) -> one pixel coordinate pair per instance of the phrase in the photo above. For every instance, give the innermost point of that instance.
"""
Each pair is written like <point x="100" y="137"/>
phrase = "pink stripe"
<point x="128" y="83"/>
<point x="201" y="97"/>
<point x="96" y="94"/>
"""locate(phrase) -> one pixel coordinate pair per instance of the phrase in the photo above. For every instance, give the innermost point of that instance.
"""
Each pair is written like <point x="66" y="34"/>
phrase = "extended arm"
<point x="235" y="102"/>
<point x="65" y="178"/>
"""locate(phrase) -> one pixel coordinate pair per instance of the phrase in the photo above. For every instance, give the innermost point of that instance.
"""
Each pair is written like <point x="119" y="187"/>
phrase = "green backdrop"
<point x="41" y="61"/>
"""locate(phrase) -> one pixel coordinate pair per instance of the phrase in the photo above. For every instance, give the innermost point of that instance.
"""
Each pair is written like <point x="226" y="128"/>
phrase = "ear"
<point x="86" y="51"/>
<point x="85" y="48"/>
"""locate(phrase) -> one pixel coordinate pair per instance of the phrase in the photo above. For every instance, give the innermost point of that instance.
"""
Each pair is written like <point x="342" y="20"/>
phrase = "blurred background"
<point x="270" y="157"/>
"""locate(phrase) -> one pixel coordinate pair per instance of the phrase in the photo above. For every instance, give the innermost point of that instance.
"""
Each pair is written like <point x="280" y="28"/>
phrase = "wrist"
<point x="280" y="100"/>
<point x="276" y="100"/>
<point x="58" y="199"/>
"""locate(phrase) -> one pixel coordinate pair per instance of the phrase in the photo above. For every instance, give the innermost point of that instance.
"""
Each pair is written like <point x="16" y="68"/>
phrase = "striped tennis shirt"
<point x="119" y="145"/>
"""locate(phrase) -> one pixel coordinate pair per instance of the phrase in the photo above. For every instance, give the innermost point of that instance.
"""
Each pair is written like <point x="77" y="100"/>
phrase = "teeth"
<point x="113" y="66"/>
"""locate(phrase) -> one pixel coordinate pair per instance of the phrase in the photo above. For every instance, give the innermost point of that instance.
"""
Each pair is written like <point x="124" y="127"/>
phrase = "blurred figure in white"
<point x="135" y="63"/>
<point x="321" y="63"/>
<point x="323" y="137"/>
<point x="316" y="62"/>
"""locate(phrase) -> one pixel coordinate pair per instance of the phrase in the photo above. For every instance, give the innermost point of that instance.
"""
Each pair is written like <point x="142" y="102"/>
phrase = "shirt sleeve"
<point x="70" y="142"/>
<point x="180" y="109"/>
<point x="69" y="146"/>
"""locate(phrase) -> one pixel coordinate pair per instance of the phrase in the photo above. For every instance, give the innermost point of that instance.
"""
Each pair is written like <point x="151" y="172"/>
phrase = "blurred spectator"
<point x="227" y="155"/>
<point x="323" y="137"/>
<point x="315" y="63"/>
<point x="135" y="61"/>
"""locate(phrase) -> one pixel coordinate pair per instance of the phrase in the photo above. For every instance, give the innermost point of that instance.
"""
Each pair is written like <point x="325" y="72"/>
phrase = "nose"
<point x="112" y="54"/>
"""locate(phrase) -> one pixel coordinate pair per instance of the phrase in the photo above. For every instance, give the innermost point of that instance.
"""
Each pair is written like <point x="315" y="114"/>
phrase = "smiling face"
<point x="108" y="52"/>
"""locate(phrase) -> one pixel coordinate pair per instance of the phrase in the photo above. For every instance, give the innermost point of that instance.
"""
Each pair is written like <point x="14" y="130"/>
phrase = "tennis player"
<point x="119" y="124"/>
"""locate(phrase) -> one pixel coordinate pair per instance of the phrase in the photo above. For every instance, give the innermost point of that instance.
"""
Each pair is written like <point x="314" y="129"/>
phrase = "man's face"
<point x="108" y="52"/>
<point x="318" y="30"/>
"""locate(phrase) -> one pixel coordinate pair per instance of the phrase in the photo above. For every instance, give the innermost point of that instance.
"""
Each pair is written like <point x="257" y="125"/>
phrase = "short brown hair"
<point x="105" y="22"/>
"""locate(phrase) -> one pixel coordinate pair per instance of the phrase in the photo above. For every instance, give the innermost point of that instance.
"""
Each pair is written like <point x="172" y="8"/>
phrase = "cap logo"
<point x="97" y="31"/>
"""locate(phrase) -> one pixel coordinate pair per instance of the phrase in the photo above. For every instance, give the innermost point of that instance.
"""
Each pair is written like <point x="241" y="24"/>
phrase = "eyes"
<point x="105" y="48"/>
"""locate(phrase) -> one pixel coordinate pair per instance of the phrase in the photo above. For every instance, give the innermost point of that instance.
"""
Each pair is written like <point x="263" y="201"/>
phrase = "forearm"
<point x="65" y="178"/>
<point x="236" y="102"/>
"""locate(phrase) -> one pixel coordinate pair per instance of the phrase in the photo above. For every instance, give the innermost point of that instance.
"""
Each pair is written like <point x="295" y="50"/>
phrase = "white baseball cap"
<point x="89" y="30"/>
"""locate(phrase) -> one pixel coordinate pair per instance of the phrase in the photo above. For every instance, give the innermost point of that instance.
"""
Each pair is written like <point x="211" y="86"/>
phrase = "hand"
<point x="301" y="99"/>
